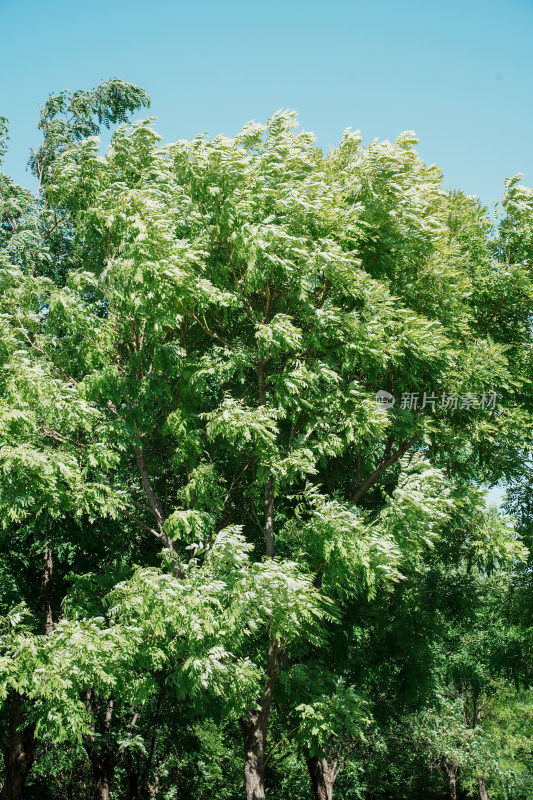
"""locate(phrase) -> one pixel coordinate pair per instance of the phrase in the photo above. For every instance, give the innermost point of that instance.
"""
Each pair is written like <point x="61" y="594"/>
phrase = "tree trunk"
<point x="153" y="788"/>
<point x="102" y="777"/>
<point x="19" y="752"/>
<point x="134" y="780"/>
<point x="255" y="725"/>
<point x="46" y="592"/>
<point x="483" y="795"/>
<point x="103" y="767"/>
<point x="270" y="546"/>
<point x="103" y="760"/>
<point x="451" y="773"/>
<point x="452" y="784"/>
<point x="322" y="774"/>
<point x="254" y="730"/>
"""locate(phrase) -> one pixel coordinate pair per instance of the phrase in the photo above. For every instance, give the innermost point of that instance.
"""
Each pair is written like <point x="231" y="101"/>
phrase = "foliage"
<point x="208" y="523"/>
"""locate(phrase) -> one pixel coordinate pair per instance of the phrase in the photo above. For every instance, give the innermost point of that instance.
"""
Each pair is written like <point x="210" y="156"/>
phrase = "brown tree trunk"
<point x="269" y="518"/>
<point x="270" y="547"/>
<point x="322" y="774"/>
<point x="483" y="794"/>
<point x="451" y="773"/>
<point x="153" y="788"/>
<point x="254" y="731"/>
<point x="452" y="784"/>
<point x="138" y="776"/>
<point x="254" y="728"/>
<point x="102" y="777"/>
<point x="134" y="779"/>
<point x="19" y="752"/>
<point x="46" y="592"/>
<point x="103" y="768"/>
<point x="254" y="725"/>
<point x="103" y="760"/>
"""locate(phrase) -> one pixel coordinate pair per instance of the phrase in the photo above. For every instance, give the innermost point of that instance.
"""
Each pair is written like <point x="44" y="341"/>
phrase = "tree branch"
<point x="386" y="460"/>
<point x="140" y="523"/>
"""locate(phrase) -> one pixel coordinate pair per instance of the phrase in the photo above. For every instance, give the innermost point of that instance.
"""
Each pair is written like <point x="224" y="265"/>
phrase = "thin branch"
<point x="43" y="352"/>
<point x="130" y="727"/>
<point x="142" y="507"/>
<point x="135" y="716"/>
<point x="386" y="461"/>
<point x="57" y="437"/>
<point x="205" y="327"/>
<point x="151" y="494"/>
<point x="283" y="739"/>
<point x="140" y="523"/>
<point x="235" y="481"/>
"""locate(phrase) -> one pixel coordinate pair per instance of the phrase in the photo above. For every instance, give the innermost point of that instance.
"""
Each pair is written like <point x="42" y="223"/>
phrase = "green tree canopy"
<point x="204" y="507"/>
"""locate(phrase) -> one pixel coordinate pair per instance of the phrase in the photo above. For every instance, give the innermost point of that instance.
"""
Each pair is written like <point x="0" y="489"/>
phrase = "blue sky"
<point x="459" y="74"/>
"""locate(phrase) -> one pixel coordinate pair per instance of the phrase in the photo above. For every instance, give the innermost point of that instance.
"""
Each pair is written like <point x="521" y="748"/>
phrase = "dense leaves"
<point x="212" y="533"/>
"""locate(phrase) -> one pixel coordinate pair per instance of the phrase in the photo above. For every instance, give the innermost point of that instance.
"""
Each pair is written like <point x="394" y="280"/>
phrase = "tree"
<point x="193" y="340"/>
<point x="44" y="421"/>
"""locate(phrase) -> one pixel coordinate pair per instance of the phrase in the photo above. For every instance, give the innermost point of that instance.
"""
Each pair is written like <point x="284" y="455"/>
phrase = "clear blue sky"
<point x="459" y="74"/>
